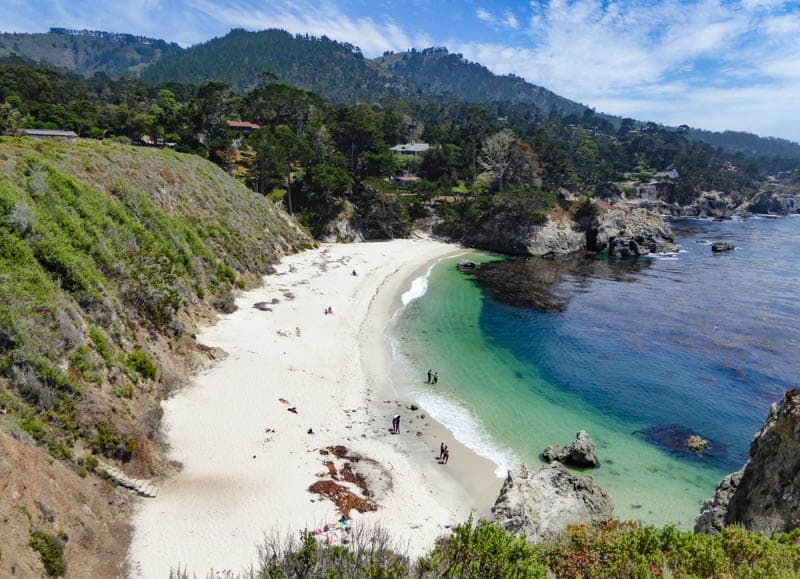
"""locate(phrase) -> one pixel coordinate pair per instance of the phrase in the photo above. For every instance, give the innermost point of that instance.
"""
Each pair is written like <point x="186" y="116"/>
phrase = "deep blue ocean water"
<point x="700" y="340"/>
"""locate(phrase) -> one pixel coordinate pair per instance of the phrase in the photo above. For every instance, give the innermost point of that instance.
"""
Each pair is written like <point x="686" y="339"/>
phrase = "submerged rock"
<point x="697" y="443"/>
<point x="765" y="494"/>
<point x="579" y="453"/>
<point x="720" y="246"/>
<point x="543" y="503"/>
<point x="684" y="441"/>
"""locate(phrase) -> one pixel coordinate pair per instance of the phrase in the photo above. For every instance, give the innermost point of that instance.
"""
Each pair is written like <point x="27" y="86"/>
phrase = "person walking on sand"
<point x="445" y="455"/>
<point x="442" y="448"/>
<point x="436" y="377"/>
<point x="396" y="423"/>
<point x="430" y="375"/>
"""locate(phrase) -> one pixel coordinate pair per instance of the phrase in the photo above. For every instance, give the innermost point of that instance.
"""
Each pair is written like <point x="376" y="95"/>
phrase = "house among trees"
<point x="410" y="149"/>
<point x="243" y="126"/>
<point x="50" y="134"/>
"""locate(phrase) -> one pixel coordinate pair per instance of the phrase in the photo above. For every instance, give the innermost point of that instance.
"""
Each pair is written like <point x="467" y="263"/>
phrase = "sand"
<point x="247" y="461"/>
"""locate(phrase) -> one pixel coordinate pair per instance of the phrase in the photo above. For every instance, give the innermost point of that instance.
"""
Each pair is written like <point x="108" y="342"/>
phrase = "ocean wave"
<point x="466" y="429"/>
<point x="418" y="287"/>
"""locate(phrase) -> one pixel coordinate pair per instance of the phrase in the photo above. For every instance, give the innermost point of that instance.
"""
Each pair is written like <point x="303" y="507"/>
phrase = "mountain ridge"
<point x="335" y="70"/>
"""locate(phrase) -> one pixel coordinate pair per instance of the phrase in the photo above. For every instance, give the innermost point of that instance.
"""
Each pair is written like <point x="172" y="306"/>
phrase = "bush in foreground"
<point x="485" y="550"/>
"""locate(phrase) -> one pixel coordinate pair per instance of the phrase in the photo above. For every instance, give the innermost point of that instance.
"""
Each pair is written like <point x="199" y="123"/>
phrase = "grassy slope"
<point x="109" y="257"/>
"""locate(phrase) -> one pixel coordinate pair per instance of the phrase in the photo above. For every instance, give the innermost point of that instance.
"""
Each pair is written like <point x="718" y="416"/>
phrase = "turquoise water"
<point x="706" y="342"/>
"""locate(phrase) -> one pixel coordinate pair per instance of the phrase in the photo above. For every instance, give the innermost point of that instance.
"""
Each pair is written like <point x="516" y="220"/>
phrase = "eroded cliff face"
<point x="619" y="233"/>
<point x="541" y="504"/>
<point x="765" y="494"/>
<point x="622" y="234"/>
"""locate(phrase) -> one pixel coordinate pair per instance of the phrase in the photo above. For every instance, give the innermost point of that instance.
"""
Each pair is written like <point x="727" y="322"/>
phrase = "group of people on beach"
<point x="433" y="377"/>
<point x="329" y="310"/>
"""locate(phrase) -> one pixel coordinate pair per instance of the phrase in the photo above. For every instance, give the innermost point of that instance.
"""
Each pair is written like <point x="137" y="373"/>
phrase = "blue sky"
<point x="708" y="63"/>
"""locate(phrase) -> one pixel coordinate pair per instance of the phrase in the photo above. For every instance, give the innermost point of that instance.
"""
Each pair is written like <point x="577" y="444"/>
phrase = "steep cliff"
<point x="616" y="232"/>
<point x="765" y="494"/>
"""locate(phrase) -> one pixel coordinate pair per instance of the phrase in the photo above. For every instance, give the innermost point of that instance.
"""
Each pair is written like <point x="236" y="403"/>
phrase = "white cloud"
<point x="673" y="61"/>
<point x="510" y="21"/>
<point x="484" y="15"/>
<point x="324" y="19"/>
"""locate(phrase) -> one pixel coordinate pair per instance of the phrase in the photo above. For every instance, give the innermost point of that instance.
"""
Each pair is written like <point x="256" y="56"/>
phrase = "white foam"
<point x="467" y="430"/>
<point x="420" y="285"/>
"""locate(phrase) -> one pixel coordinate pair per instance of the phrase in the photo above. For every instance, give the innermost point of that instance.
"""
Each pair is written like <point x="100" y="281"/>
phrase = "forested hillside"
<point x="332" y="165"/>
<point x="88" y="52"/>
<point x="747" y="143"/>
<point x="438" y="72"/>
<point x="334" y="70"/>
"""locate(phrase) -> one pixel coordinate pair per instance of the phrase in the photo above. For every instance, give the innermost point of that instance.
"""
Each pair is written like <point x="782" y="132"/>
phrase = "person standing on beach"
<point x="445" y="455"/>
<point x="442" y="448"/>
<point x="436" y="377"/>
<point x="430" y="375"/>
<point x="396" y="423"/>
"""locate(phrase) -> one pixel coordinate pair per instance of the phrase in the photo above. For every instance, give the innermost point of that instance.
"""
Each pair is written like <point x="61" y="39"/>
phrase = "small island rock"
<point x="697" y="443"/>
<point x="720" y="246"/>
<point x="543" y="503"/>
<point x="579" y="453"/>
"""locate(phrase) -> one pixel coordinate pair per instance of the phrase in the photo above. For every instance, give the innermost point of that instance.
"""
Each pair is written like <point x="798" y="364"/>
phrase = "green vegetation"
<point x="486" y="550"/>
<point x="88" y="53"/>
<point x="51" y="550"/>
<point x="140" y="362"/>
<point x="101" y="246"/>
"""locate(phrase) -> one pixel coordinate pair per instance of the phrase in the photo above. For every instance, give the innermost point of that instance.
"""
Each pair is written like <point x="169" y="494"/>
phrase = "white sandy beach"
<point x="240" y="482"/>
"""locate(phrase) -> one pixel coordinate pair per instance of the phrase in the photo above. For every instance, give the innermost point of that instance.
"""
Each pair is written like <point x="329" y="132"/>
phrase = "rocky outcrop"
<point x="616" y="232"/>
<point x="621" y="234"/>
<point x="505" y="233"/>
<point x="543" y="503"/>
<point x="697" y="443"/>
<point x="720" y="246"/>
<point x="765" y="494"/>
<point x="579" y="453"/>
<point x="776" y="202"/>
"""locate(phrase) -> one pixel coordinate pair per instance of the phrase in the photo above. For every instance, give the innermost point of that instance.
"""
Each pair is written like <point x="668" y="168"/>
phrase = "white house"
<point x="410" y="149"/>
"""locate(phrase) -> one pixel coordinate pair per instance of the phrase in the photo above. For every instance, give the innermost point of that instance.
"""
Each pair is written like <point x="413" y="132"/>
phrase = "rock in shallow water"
<point x="720" y="246"/>
<point x="579" y="453"/>
<point x="543" y="503"/>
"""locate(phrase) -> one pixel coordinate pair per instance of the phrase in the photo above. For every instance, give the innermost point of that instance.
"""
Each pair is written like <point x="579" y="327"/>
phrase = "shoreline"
<point x="248" y="463"/>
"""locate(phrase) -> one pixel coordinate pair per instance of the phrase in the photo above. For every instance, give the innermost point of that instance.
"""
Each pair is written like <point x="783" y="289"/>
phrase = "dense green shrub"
<point x="485" y="550"/>
<point x="51" y="551"/>
<point x="141" y="363"/>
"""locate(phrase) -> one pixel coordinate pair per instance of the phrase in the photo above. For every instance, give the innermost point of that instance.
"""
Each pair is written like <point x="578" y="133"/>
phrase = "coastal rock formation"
<point x="775" y="201"/>
<point x="616" y="232"/>
<point x="509" y="233"/>
<point x="765" y="494"/>
<point x="621" y="234"/>
<point x="680" y="440"/>
<point x="543" y="503"/>
<point x="697" y="443"/>
<point x="579" y="453"/>
<point x="720" y="246"/>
